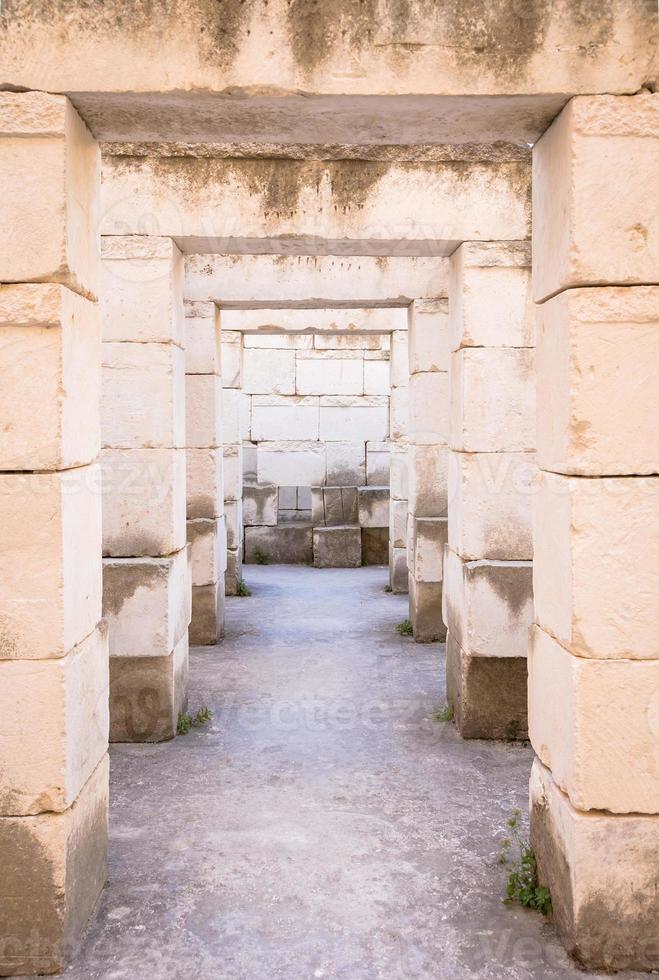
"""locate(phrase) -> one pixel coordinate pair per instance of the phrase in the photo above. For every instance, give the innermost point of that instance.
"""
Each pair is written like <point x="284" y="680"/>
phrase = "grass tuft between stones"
<point x="186" y="722"/>
<point x="242" y="588"/>
<point x="261" y="557"/>
<point x="387" y="588"/>
<point x="405" y="628"/>
<point x="522" y="886"/>
<point x="443" y="714"/>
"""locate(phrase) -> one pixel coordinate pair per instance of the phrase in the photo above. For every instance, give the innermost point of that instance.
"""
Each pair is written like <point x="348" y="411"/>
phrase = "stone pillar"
<point x="398" y="432"/>
<point x="146" y="575"/>
<point x="488" y="598"/>
<point x="205" y="484"/>
<point x="232" y="374"/>
<point x="53" y="643"/>
<point x="594" y="654"/>
<point x="428" y="436"/>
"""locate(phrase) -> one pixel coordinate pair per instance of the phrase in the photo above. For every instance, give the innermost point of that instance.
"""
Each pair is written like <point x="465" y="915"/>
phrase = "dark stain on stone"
<point x="513" y="584"/>
<point x="197" y="528"/>
<point x="315" y="27"/>
<point x="122" y="580"/>
<point x="553" y="869"/>
<point x="353" y="181"/>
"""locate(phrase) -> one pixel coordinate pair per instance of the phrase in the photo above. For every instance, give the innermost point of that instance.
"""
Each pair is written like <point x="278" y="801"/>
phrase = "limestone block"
<point x="261" y="503"/>
<point x="378" y="455"/>
<point x="334" y="506"/>
<point x="487" y="694"/>
<point x="146" y="603"/>
<point x="55" y="865"/>
<point x="45" y="765"/>
<point x="373" y="506"/>
<point x="234" y="572"/>
<point x="245" y="417"/>
<point x="492" y="400"/>
<point x="346" y="463"/>
<point x="425" y="605"/>
<point x="279" y="417"/>
<point x="208" y="548"/>
<point x="304" y="498"/>
<point x="585" y="231"/>
<point x="595" y="725"/>
<point x="204" y="483"/>
<point x="428" y="484"/>
<point x="398" y="570"/>
<point x="203" y="411"/>
<point x="50" y="172"/>
<point x="141" y="295"/>
<point x="143" y="404"/>
<point x="345" y="419"/>
<point x="249" y="461"/>
<point x="429" y="408"/>
<point x="147" y="694"/>
<point x="399" y="413"/>
<point x="428" y="538"/>
<point x="207" y="624"/>
<point x="321" y="372"/>
<point x="398" y="522"/>
<point x="399" y="472"/>
<point x="269" y="372"/>
<point x="490" y="512"/>
<point x="50" y="562"/>
<point x="203" y="346"/>
<point x="287" y="544"/>
<point x="56" y="333"/>
<point x="591" y="540"/>
<point x="488" y="605"/>
<point x="491" y="298"/>
<point x="287" y="498"/>
<point x="143" y="501"/>
<point x="232" y="358"/>
<point x="399" y="360"/>
<point x="279" y="341"/>
<point x="345" y="341"/>
<point x="375" y="545"/>
<point x="231" y="412"/>
<point x="428" y="335"/>
<point x="233" y="517"/>
<point x="376" y="377"/>
<point x="291" y="463"/>
<point x="597" y="363"/>
<point x="337" y="547"/>
<point x="233" y="472"/>
<point x="605" y="904"/>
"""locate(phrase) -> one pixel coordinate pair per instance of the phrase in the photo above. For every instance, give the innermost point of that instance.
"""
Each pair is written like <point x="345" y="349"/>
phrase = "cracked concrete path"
<point x="324" y="824"/>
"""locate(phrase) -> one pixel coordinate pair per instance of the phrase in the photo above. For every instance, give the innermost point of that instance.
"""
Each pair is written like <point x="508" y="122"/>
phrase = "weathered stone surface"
<point x="337" y="547"/>
<point x="277" y="341"/>
<point x="54" y="868"/>
<point x="231" y="412"/>
<point x="398" y="522"/>
<point x="347" y="418"/>
<point x="232" y="358"/>
<point x="321" y="372"/>
<point x="399" y="472"/>
<point x="428" y="482"/>
<point x="375" y="545"/>
<point x="592" y="541"/>
<point x="346" y="464"/>
<point x="373" y="506"/>
<point x="147" y="694"/>
<point x="399" y="413"/>
<point x="426" y="610"/>
<point x="208" y="548"/>
<point x="203" y="346"/>
<point x="492" y="400"/>
<point x="360" y="342"/>
<point x="260" y="503"/>
<point x="50" y="562"/>
<point x="203" y="411"/>
<point x="291" y="463"/>
<point x="233" y="516"/>
<point x="429" y="408"/>
<point x="334" y="506"/>
<point x="487" y="694"/>
<point x="50" y="354"/>
<point x="234" y="572"/>
<point x="399" y="374"/>
<point x="207" y="623"/>
<point x="141" y="297"/>
<point x="594" y="724"/>
<point x="269" y="372"/>
<point x="281" y="417"/>
<point x="376" y="377"/>
<point x="233" y="472"/>
<point x="324" y="324"/>
<point x="605" y="910"/>
<point x="428" y="335"/>
<point x="398" y="570"/>
<point x="378" y="456"/>
<point x="204" y="483"/>
<point x="282" y="545"/>
<point x="249" y="461"/>
<point x="428" y="539"/>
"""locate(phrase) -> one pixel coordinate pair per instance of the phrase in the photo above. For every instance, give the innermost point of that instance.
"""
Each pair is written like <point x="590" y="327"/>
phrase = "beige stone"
<point x="399" y="472"/>
<point x="398" y="522"/>
<point x="50" y="561"/>
<point x="204" y="482"/>
<point x="399" y="413"/>
<point x="308" y="278"/>
<point x="279" y="417"/>
<point x="378" y="455"/>
<point x="49" y="356"/>
<point x="279" y="341"/>
<point x="425" y="605"/>
<point x="399" y="363"/>
<point x="360" y="420"/>
<point x="398" y="570"/>
<point x="269" y="372"/>
<point x="208" y="547"/>
<point x="373" y="505"/>
<point x="44" y="766"/>
<point x="376" y="377"/>
<point x="596" y="564"/>
<point x="346" y="464"/>
<point x="245" y="417"/>
<point x="207" y="623"/>
<point x="290" y="544"/>
<point x="147" y="694"/>
<point x="203" y="348"/>
<point x="320" y="372"/>
<point x="233" y="472"/>
<point x="292" y="463"/>
<point x="232" y="358"/>
<point x="334" y="506"/>
<point x="428" y="538"/>
<point x="261" y="503"/>
<point x="429" y="408"/>
<point x="428" y="485"/>
<point x="203" y="411"/>
<point x="337" y="547"/>
<point x="597" y="363"/>
<point x="231" y="412"/>
<point x="428" y="336"/>
<point x="233" y="520"/>
<point x="234" y="572"/>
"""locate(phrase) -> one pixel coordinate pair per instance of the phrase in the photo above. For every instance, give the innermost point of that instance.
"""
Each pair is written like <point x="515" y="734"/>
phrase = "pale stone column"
<point x="205" y="481"/>
<point x="488" y="597"/>
<point x="398" y="433"/>
<point x="427" y="481"/>
<point x="594" y="653"/>
<point x="53" y="643"/>
<point x="146" y="566"/>
<point x="233" y="408"/>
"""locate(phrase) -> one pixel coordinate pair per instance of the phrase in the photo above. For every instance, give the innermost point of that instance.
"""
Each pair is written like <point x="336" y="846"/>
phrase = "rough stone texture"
<point x="376" y="377"/>
<point x="492" y="400"/>
<point x="260" y="503"/>
<point x="231" y="402"/>
<point x="375" y="545"/>
<point x="398" y="522"/>
<point x="269" y="372"/>
<point x="399" y="413"/>
<point x="428" y="480"/>
<point x="291" y="463"/>
<point x="429" y="408"/>
<point x="203" y="411"/>
<point x="337" y="547"/>
<point x="134" y="305"/>
<point x="399" y="472"/>
<point x="333" y="506"/>
<point x="324" y="372"/>
<point x="233" y="472"/>
<point x="398" y="571"/>
<point x="282" y="545"/>
<point x="428" y="539"/>
<point x="234" y="572"/>
<point x="373" y="506"/>
<point x="605" y="910"/>
<point x="348" y="418"/>
<point x="233" y="516"/>
<point x="147" y="694"/>
<point x="232" y="358"/>
<point x="425" y="605"/>
<point x="428" y="336"/>
<point x="204" y="483"/>
<point x="280" y="417"/>
<point x="208" y="607"/>
<point x="487" y="694"/>
<point x="208" y="549"/>
<point x="203" y="344"/>
<point x="346" y="464"/>
<point x="378" y="455"/>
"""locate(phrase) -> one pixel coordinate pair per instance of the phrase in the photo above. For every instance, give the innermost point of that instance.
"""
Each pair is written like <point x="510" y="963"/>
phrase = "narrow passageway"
<point x="324" y="824"/>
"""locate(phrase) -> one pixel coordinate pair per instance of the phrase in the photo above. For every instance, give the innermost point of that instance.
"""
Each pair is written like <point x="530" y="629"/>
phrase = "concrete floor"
<point x="323" y="825"/>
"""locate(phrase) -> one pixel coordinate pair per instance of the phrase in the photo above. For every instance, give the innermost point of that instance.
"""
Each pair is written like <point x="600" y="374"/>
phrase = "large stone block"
<point x="595" y="725"/>
<point x="291" y="463"/>
<point x="269" y="372"/>
<point x="232" y="401"/>
<point x="425" y="606"/>
<point x="147" y="694"/>
<point x="346" y="464"/>
<point x="203" y="411"/>
<point x="597" y="363"/>
<point x="141" y="298"/>
<point x="54" y="866"/>
<point x="143" y="501"/>
<point x="260" y="503"/>
<point x="346" y="418"/>
<point x="54" y="726"/>
<point x="245" y="417"/>
<point x="398" y="522"/>
<point x="428" y="537"/>
<point x="279" y="417"/>
<point x="399" y="472"/>
<point x="143" y="404"/>
<point x="50" y="172"/>
<point x="232" y="358"/>
<point x="249" y="461"/>
<point x="334" y="506"/>
<point x="597" y="145"/>
<point x="491" y="298"/>
<point x="290" y="544"/>
<point x="488" y="605"/>
<point x="490" y="511"/>
<point x="601" y="870"/>
<point x="596" y="564"/>
<point x="234" y="572"/>
<point x="399" y="413"/>
<point x="398" y="570"/>
<point x="373" y="506"/>
<point x="375" y="545"/>
<point x="233" y="517"/>
<point x="50" y="352"/>
<point x="428" y="486"/>
<point x="279" y="341"/>
<point x="322" y="372"/>
<point x="146" y="602"/>
<point x="204" y="483"/>
<point x="376" y="377"/>
<point x="378" y="455"/>
<point x="203" y="347"/>
<point x="345" y="341"/>
<point x="50" y="561"/>
<point x="429" y="408"/>
<point x="233" y="472"/>
<point x="399" y="359"/>
<point x="428" y="335"/>
<point x="208" y="549"/>
<point x="492" y="400"/>
<point x="337" y="547"/>
<point x="207" y="623"/>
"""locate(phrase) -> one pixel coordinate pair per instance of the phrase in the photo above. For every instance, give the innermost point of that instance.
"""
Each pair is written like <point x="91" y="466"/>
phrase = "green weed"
<point x="405" y="628"/>
<point x="522" y="886"/>
<point x="242" y="589"/>
<point x="186" y="722"/>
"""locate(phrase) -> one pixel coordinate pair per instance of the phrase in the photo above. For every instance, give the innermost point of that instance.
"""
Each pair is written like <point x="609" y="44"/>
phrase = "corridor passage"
<point x="326" y="823"/>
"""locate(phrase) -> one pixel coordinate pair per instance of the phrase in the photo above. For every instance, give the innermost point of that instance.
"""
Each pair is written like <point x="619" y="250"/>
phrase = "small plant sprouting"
<point x="405" y="628"/>
<point x="522" y="887"/>
<point x="242" y="588"/>
<point x="388" y="588"/>
<point x="443" y="714"/>
<point x="261" y="557"/>
<point x="186" y="722"/>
